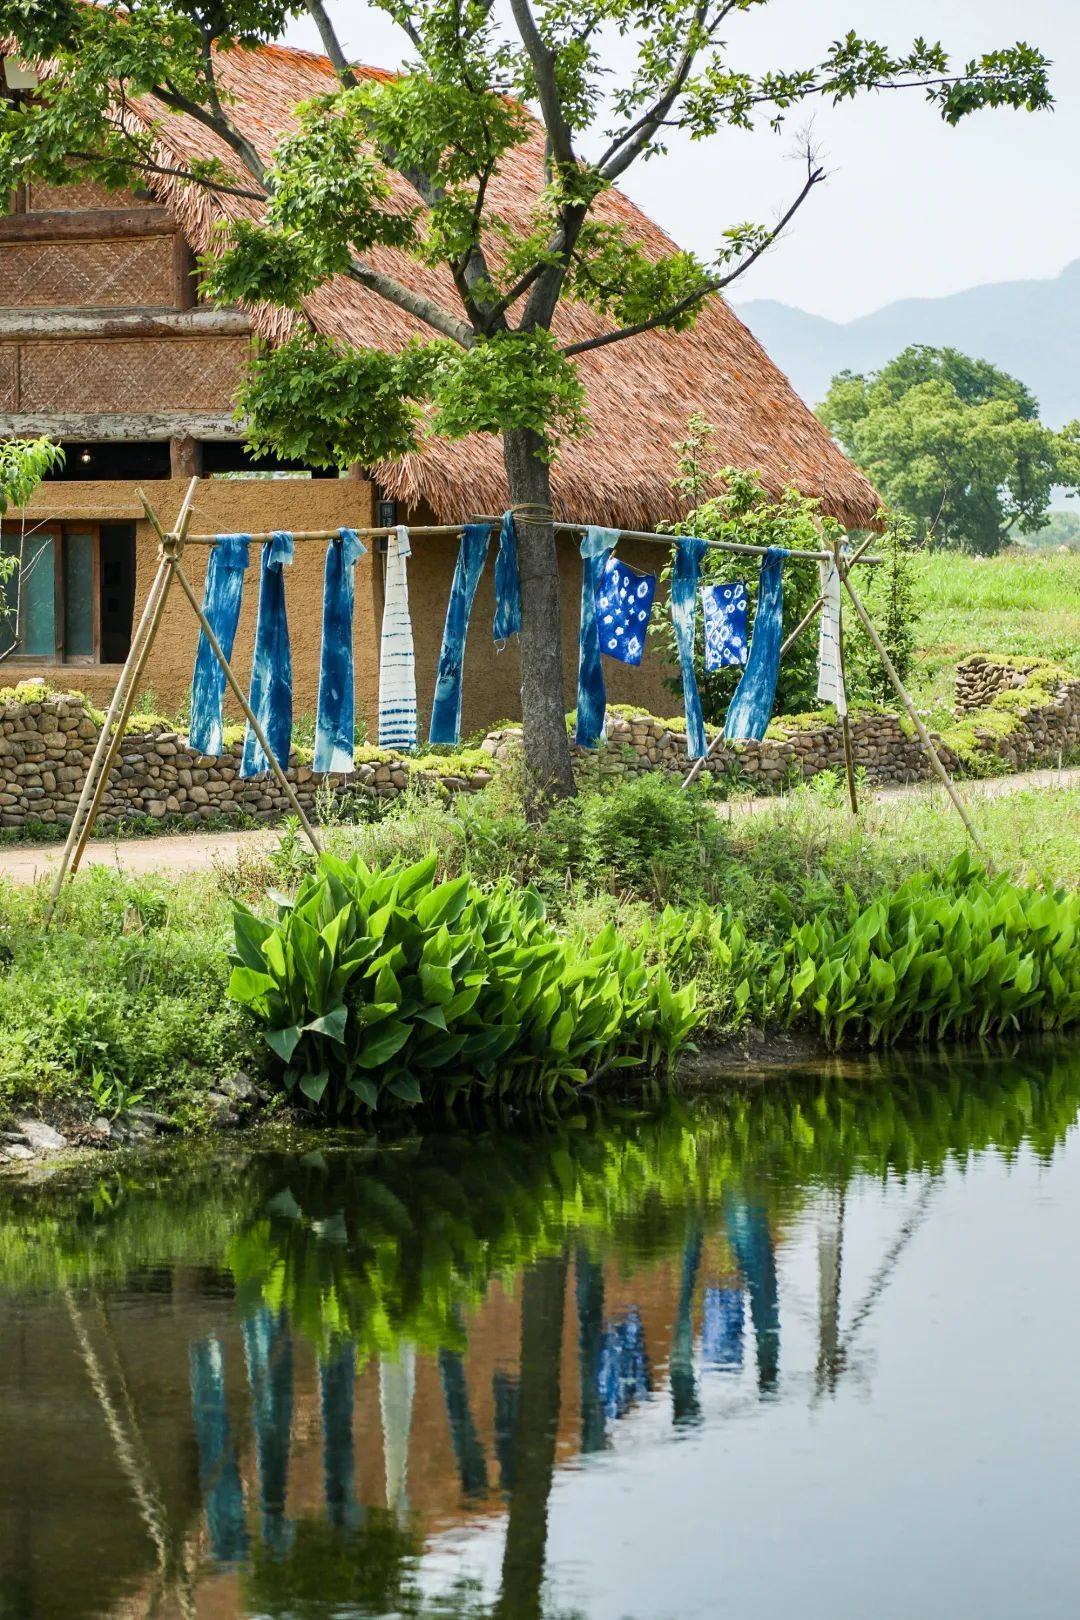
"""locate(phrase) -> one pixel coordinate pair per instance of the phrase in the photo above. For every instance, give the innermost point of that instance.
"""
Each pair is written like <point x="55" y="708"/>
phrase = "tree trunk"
<point x="543" y="701"/>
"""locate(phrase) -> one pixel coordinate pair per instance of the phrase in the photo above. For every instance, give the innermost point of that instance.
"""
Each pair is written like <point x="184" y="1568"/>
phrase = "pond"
<point x="807" y="1349"/>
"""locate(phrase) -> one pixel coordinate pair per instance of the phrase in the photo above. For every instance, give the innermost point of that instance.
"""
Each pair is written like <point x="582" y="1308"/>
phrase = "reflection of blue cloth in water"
<point x="337" y="1379"/>
<point x="622" y="1376"/>
<point x="722" y="1328"/>
<point x="269" y="1356"/>
<point x="219" y="1475"/>
<point x="685" y="1406"/>
<point x="468" y="1446"/>
<point x="749" y="1235"/>
<point x="589" y="1292"/>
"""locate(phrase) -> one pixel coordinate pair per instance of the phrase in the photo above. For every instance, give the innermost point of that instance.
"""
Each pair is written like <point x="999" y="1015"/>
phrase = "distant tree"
<point x="1062" y="529"/>
<point x="955" y="444"/>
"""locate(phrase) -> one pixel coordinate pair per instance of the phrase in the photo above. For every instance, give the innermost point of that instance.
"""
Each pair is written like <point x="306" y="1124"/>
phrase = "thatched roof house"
<point x="104" y="346"/>
<point x="641" y="391"/>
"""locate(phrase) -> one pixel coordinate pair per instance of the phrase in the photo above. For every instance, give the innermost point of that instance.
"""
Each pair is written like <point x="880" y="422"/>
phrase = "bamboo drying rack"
<point x="170" y="569"/>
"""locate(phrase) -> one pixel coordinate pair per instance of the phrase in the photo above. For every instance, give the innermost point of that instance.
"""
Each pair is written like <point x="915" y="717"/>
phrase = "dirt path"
<point x="197" y="852"/>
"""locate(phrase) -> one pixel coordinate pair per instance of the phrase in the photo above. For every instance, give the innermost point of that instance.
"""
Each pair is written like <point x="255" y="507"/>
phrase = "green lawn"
<point x="1023" y="602"/>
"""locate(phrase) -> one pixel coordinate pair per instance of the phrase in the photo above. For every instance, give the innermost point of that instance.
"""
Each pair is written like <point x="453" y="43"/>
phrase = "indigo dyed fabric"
<point x="684" y="583"/>
<point x="507" y="583"/>
<point x="752" y="706"/>
<point x="335" y="727"/>
<point x="622" y="1376"/>
<point x="221" y="604"/>
<point x="726" y="641"/>
<point x="624" y="601"/>
<point x="397" y="658"/>
<point x="722" y="1330"/>
<point x="446" y="707"/>
<point x="271" y="665"/>
<point x="596" y="546"/>
<point x="830" y="684"/>
<point x="219" y="1474"/>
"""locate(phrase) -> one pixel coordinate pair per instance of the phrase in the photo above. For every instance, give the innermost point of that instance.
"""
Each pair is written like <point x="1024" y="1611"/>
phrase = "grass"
<point x="1022" y="603"/>
<point x="128" y="988"/>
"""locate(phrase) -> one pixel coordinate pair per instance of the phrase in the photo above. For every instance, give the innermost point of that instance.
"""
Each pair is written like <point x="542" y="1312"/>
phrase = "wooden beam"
<point x="100" y="427"/>
<point x="86" y="224"/>
<point x="184" y="270"/>
<point x="185" y="458"/>
<point x="33" y="325"/>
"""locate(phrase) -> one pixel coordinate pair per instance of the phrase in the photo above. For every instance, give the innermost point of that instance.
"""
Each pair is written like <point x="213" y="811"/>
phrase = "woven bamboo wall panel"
<point x="198" y="374"/>
<point x="9" y="377"/>
<point x="95" y="275"/>
<point x="84" y="194"/>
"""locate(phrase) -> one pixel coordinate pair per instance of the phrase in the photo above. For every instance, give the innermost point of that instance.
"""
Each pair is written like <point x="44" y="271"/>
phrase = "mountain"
<point x="1028" y="328"/>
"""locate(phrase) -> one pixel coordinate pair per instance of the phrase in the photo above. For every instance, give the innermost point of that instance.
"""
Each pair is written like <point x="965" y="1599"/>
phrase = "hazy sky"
<point x="912" y="207"/>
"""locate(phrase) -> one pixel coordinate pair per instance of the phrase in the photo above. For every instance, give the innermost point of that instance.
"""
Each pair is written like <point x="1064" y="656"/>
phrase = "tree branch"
<point x="331" y="43"/>
<point x="715" y="284"/>
<point x="542" y="60"/>
<point x="424" y="309"/>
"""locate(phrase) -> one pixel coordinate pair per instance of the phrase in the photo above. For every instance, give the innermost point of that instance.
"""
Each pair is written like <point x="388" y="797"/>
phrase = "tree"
<point x="955" y="444"/>
<point x="407" y="162"/>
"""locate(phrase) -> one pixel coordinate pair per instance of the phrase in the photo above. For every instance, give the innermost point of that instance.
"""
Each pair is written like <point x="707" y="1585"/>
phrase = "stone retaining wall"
<point x="980" y="680"/>
<point x="46" y="744"/>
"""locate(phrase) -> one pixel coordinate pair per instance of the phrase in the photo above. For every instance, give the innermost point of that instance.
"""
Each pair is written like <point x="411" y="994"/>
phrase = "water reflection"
<point x="347" y="1383"/>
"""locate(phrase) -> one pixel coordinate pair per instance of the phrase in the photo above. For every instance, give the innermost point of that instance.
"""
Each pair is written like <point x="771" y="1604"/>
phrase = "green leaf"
<point x="313" y="1085"/>
<point x="284" y="1041"/>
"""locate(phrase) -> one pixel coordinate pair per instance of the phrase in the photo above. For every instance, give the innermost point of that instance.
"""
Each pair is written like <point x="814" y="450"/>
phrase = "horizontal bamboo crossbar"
<point x="746" y="550"/>
<point x="332" y="534"/>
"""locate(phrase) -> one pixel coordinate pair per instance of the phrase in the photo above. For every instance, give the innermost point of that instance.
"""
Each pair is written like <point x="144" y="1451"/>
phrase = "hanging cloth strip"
<point x="684" y="583"/>
<point x="830" y="684"/>
<point x="624" y="601"/>
<point x="397" y="659"/>
<point x="725" y="625"/>
<point x="221" y="604"/>
<point x="271" y="665"/>
<point x="751" y="707"/>
<point x="596" y="546"/>
<point x="507" y="583"/>
<point x="335" y="727"/>
<point x="446" y="707"/>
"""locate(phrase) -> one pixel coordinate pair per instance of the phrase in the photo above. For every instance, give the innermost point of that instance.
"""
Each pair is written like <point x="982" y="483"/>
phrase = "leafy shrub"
<point x="951" y="952"/>
<point x="385" y="988"/>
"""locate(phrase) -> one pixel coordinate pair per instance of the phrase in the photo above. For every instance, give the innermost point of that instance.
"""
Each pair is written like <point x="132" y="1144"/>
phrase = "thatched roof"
<point x="640" y="391"/>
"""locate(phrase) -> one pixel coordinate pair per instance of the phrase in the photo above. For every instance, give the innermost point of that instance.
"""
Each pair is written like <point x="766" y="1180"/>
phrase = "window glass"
<point x="35" y="592"/>
<point x="78" y="595"/>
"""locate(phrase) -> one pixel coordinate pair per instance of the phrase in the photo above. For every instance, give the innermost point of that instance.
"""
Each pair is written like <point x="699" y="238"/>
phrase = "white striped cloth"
<point x="830" y="681"/>
<point x="397" y="660"/>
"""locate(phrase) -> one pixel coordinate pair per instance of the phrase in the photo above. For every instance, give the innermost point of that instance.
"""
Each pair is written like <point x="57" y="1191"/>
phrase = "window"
<point x="72" y="596"/>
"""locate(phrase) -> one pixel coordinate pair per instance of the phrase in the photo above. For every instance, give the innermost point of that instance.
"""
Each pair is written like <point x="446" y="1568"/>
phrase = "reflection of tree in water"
<point x="384" y="1255"/>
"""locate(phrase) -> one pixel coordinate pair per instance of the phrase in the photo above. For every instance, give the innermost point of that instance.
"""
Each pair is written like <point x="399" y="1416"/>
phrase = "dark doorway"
<point x="117" y="590"/>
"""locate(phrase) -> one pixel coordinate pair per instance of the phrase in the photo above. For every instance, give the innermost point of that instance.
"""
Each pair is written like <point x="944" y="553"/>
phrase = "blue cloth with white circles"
<point x="624" y="600"/>
<point x="725" y="625"/>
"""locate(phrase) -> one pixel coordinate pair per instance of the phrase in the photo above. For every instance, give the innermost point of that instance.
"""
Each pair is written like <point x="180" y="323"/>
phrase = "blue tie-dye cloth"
<point x="507" y="583"/>
<point x="271" y="665"/>
<point x="221" y="604"/>
<point x="684" y="579"/>
<point x="335" y="727"/>
<point x="446" y="708"/>
<point x="725" y="625"/>
<point x="596" y="546"/>
<point x="752" y="706"/>
<point x="722" y="1328"/>
<point x="624" y="601"/>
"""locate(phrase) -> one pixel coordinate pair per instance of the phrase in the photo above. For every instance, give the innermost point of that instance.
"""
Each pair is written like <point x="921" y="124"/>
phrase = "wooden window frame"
<point x="58" y="530"/>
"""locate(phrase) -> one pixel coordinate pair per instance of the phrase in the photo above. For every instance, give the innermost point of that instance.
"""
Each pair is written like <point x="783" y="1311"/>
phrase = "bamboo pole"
<point x="737" y="548"/>
<point x="90" y="796"/>
<point x="845" y="723"/>
<point x="334" y="534"/>
<point x="249" y="714"/>
<point x="807" y="619"/>
<point x="913" y="715"/>
<point x="139" y="668"/>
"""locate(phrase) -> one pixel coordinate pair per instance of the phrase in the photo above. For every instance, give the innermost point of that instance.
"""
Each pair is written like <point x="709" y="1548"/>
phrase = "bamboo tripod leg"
<point x="901" y="692"/>
<point x="120" y="725"/>
<point x="90" y="787"/>
<point x="237" y="692"/>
